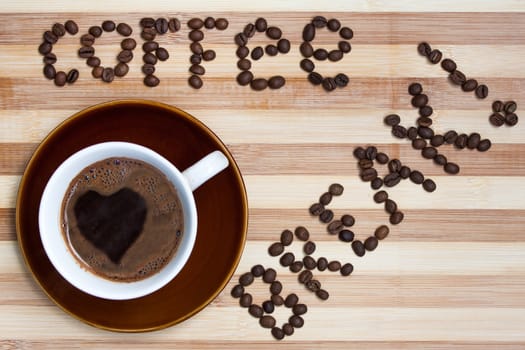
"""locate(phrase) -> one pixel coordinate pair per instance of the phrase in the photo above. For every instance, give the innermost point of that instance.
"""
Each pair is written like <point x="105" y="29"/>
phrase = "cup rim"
<point x="61" y="256"/>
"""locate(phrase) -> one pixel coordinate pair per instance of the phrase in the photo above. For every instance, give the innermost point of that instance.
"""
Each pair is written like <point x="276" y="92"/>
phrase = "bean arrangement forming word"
<point x="152" y="28"/>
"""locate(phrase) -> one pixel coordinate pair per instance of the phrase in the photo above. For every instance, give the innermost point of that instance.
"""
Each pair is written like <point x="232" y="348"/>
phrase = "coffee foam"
<point x="163" y="227"/>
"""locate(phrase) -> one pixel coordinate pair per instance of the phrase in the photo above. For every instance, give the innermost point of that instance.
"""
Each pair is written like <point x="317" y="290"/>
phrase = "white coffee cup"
<point x="59" y="251"/>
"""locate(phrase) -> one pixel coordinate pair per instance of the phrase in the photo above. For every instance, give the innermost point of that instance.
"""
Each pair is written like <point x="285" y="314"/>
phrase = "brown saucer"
<point x="221" y="205"/>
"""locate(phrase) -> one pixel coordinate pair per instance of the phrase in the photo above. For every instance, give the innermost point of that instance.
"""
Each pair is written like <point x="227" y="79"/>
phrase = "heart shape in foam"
<point x="111" y="223"/>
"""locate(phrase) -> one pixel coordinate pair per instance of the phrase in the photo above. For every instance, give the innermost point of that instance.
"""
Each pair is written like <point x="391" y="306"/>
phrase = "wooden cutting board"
<point x="451" y="275"/>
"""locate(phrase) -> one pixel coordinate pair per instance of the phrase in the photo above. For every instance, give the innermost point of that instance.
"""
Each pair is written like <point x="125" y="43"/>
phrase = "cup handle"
<point x="205" y="169"/>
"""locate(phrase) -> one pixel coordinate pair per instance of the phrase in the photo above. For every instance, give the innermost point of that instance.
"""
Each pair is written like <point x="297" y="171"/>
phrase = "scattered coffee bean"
<point x="198" y="35"/>
<point x="450" y="136"/>
<point x="424" y="121"/>
<point x="174" y="25"/>
<point x="371" y="243"/>
<point x="392" y="179"/>
<point x="148" y="69"/>
<point x="302" y="233"/>
<point x="128" y="44"/>
<point x="276" y="82"/>
<point x="482" y="91"/>
<point x="274" y="33"/>
<point x="296" y="266"/>
<point x="382" y="158"/>
<point x="425" y="132"/>
<point x="86" y="52"/>
<point x="344" y="46"/>
<point x="399" y="131"/>
<point x="96" y="72"/>
<point x="108" y="26"/>
<point x="473" y="140"/>
<point x="315" y="78"/>
<point x="309" y="262"/>
<point x="390" y="206"/>
<point x="269" y="275"/>
<point x="149" y="58"/>
<point x="333" y="25"/>
<point x="359" y="248"/>
<point x="276" y="249"/>
<point x="394" y="165"/>
<point x="511" y="119"/>
<point x="380" y="196"/>
<point x="277" y="300"/>
<point x="267" y="321"/>
<point x="435" y="56"/>
<point x="322" y="264"/>
<point x="291" y="300"/>
<point x="309" y="248"/>
<point x="196" y="48"/>
<point x="108" y="75"/>
<point x="72" y="76"/>
<point x="249" y="30"/>
<point x="322" y="294"/>
<point x="50" y="58"/>
<point x="440" y="159"/>
<point x="208" y="55"/>
<point x="151" y="80"/>
<point x="244" y="64"/>
<point x="256" y="311"/>
<point x="392" y="120"/>
<point x="275" y="288"/>
<point x="221" y="23"/>
<point x="319" y="21"/>
<point x="296" y="321"/>
<point x="346" y="269"/>
<point x="321" y="54"/>
<point x="419" y="100"/>
<point x="148" y="33"/>
<point x="313" y="285"/>
<point x="510" y="107"/>
<point x="286" y="237"/>
<point x="334" y="266"/>
<point x="125" y="56"/>
<point x="237" y="291"/>
<point x="195" y="23"/>
<point x="497" y="106"/>
<point x="469" y="85"/>
<point x="259" y="84"/>
<point x="448" y="65"/>
<point x="437" y="140"/>
<point x="396" y="218"/>
<point x="147" y="22"/>
<point x="209" y="23"/>
<point x="368" y="174"/>
<point x="415" y="89"/>
<point x="195" y="81"/>
<point x="335" y="55"/>
<point x="404" y="172"/>
<point x="246" y="300"/>
<point x="316" y="209"/>
<point x="71" y="27"/>
<point x="288" y="329"/>
<point x="257" y="270"/>
<point x="451" y="168"/>
<point x="305" y="276"/>
<point x="161" y="25"/>
<point x="284" y="46"/>
<point x="381" y="232"/>
<point x="246" y="279"/>
<point x="426" y="111"/>
<point x="336" y="189"/>
<point x="416" y="177"/>
<point x="256" y="53"/>
<point x="58" y="29"/>
<point x="197" y="69"/>
<point x="329" y="84"/>
<point x="346" y="235"/>
<point x="306" y="64"/>
<point x="245" y="78"/>
<point x="49" y="71"/>
<point x="346" y="33"/>
<point x="412" y="133"/>
<point x="124" y="29"/>
<point x="261" y="25"/>
<point x="50" y="37"/>
<point x="341" y="80"/>
<point x="309" y="32"/>
<point x="429" y="185"/>
<point x="424" y="49"/>
<point x="271" y="50"/>
<point x="461" y="141"/>
<point x="287" y="259"/>
<point x="326" y="216"/>
<point x="278" y="333"/>
<point x="429" y="152"/>
<point x="457" y="77"/>
<point x="299" y="309"/>
<point x="419" y="143"/>
<point x="484" y="145"/>
<point x="149" y="46"/>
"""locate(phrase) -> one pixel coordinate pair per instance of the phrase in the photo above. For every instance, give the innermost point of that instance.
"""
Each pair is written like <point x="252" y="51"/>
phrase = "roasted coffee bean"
<point x="149" y="46"/>
<point x="296" y="266"/>
<point x="424" y="49"/>
<point x="148" y="33"/>
<point x="249" y="30"/>
<point x="255" y="311"/>
<point x="448" y="65"/>
<point x="416" y="177"/>
<point x="510" y="107"/>
<point x="291" y="300"/>
<point x="305" y="276"/>
<point x="242" y="52"/>
<point x="344" y="46"/>
<point x="473" y="140"/>
<point x="244" y="64"/>
<point x="390" y="206"/>
<point x="246" y="279"/>
<point x="368" y="174"/>
<point x="151" y="80"/>
<point x="322" y="294"/>
<point x="60" y="78"/>
<point x="286" y="237"/>
<point x="461" y="141"/>
<point x="419" y="143"/>
<point x="257" y="270"/>
<point x="392" y="179"/>
<point x="237" y="291"/>
<point x="451" y="168"/>
<point x="45" y="48"/>
<point x="315" y="78"/>
<point x="309" y="262"/>
<point x="321" y="54"/>
<point x="415" y="89"/>
<point x="482" y="91"/>
<point x="437" y="140"/>
<point x="319" y="21"/>
<point x="209" y="22"/>
<point x="221" y="23"/>
<point x="316" y="209"/>
<point x="147" y="22"/>
<point x="381" y="232"/>
<point x="419" y="100"/>
<point x="108" y="26"/>
<point x="287" y="259"/>
<point x="309" y="32"/>
<point x="197" y="69"/>
<point x="96" y="72"/>
<point x="277" y="300"/>
<point x="371" y="243"/>
<point x="346" y="33"/>
<point x="87" y="40"/>
<point x="50" y="37"/>
<point x="426" y="111"/>
<point x="346" y="269"/>
<point x="335" y="55"/>
<point x="399" y="131"/>
<point x="334" y="266"/>
<point x="128" y="44"/>
<point x="429" y="152"/>
<point x="359" y="153"/>
<point x="457" y="77"/>
<point x="276" y="249"/>
<point x="49" y="71"/>
<point x="288" y="329"/>
<point x="394" y="165"/>
<point x="246" y="300"/>
<point x="174" y="25"/>
<point x="71" y="27"/>
<point x="196" y="48"/>
<point x="450" y="136"/>
<point x="161" y="25"/>
<point x="371" y="152"/>
<point x="365" y="163"/>
<point x="498" y="106"/>
<point x="484" y="145"/>
<point x="269" y="275"/>
<point x="309" y="248"/>
<point x="511" y="119"/>
<point x="149" y="58"/>
<point x="497" y="119"/>
<point x="322" y="264"/>
<point x="382" y="158"/>
<point x="429" y="185"/>
<point x="195" y="81"/>
<point x="125" y="56"/>
<point x="359" y="248"/>
<point x="58" y="29"/>
<point x="276" y="82"/>
<point x="380" y="196"/>
<point x="435" y="56"/>
<point x="440" y="159"/>
<point x="278" y="333"/>
<point x="296" y="321"/>
<point x="86" y="51"/>
<point x="195" y="23"/>
<point x="341" y="80"/>
<point x="396" y="217"/>
<point x="306" y="64"/>
<point x="299" y="309"/>
<point x="333" y="25"/>
<point x="268" y="306"/>
<point x="125" y="30"/>
<point x="313" y="285"/>
<point x="274" y="33"/>
<point x="72" y="76"/>
<point x="198" y="35"/>
<point x="276" y="287"/>
<point x="121" y="69"/>
<point x="404" y="172"/>
<point x="346" y="235"/>
<point x="412" y="133"/>
<point x="267" y="321"/>
<point x="302" y="233"/>
<point x="257" y="53"/>
<point x="208" y="55"/>
<point x="244" y="78"/>
<point x="469" y="85"/>
<point x="148" y="69"/>
<point x="329" y="84"/>
<point x="261" y="25"/>
<point x="50" y="58"/>
<point x="424" y="121"/>
<point x="259" y="84"/>
<point x="326" y="216"/>
<point x="392" y="120"/>
<point x="425" y="132"/>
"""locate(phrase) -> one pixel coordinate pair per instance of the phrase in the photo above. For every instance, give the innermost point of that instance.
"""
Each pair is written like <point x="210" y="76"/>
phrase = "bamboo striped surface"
<point x="451" y="275"/>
